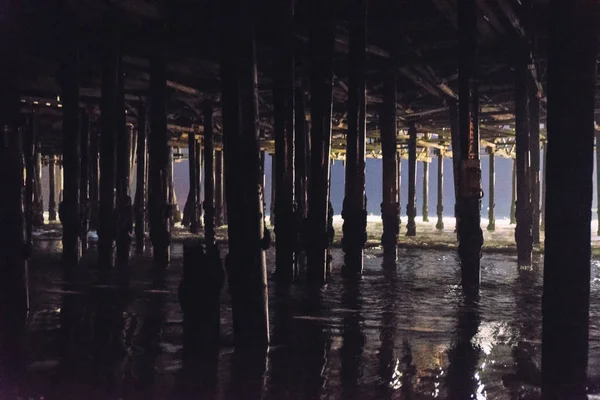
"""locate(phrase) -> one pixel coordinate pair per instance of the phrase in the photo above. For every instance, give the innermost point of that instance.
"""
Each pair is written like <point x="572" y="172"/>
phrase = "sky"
<point x="373" y="186"/>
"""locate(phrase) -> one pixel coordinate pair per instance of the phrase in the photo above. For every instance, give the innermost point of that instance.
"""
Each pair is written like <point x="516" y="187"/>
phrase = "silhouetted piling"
<point x="219" y="194"/>
<point x="440" y="191"/>
<point x="124" y="204"/>
<point x="534" y="174"/>
<point x="140" y="182"/>
<point x="38" y="197"/>
<point x="354" y="208"/>
<point x="543" y="205"/>
<point x="492" y="190"/>
<point x="51" y="188"/>
<point x="513" y="191"/>
<point x="523" y="208"/>
<point x="571" y="84"/>
<point x="199" y="161"/>
<point x="209" y="175"/>
<point x="160" y="209"/>
<point x="29" y="158"/>
<point x="108" y="123"/>
<point x="470" y="192"/>
<point x="283" y="104"/>
<point x="14" y="299"/>
<point x="390" y="207"/>
<point x="321" y="81"/>
<point x="245" y="262"/>
<point x="190" y="210"/>
<point x="84" y="203"/>
<point x="14" y="294"/>
<point x="94" y="176"/>
<point x="69" y="208"/>
<point x="425" y="203"/>
<point x="200" y="299"/>
<point x="411" y="205"/>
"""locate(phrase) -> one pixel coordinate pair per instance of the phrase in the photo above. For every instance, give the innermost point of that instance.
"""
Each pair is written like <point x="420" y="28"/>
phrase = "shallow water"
<point x="404" y="332"/>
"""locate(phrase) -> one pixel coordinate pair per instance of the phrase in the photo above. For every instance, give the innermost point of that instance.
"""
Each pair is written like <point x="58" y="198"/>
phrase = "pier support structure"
<point x="38" y="197"/>
<point x="219" y="194"/>
<point x="411" y="205"/>
<point x="440" y="191"/>
<point x="246" y="265"/>
<point x="534" y="144"/>
<point x="492" y="190"/>
<point x="140" y="182"/>
<point x="513" y="193"/>
<point x="283" y="99"/>
<point x="209" y="175"/>
<point x="94" y="176"/>
<point x="123" y="152"/>
<point x="425" y="205"/>
<point x="390" y="206"/>
<point x="190" y="210"/>
<point x="52" y="188"/>
<point x="14" y="295"/>
<point x="470" y="236"/>
<point x="69" y="209"/>
<point x="523" y="208"/>
<point x="321" y="83"/>
<point x="109" y="128"/>
<point x="84" y="201"/>
<point x="571" y="83"/>
<point x="354" y="208"/>
<point x="158" y="195"/>
<point x="543" y="206"/>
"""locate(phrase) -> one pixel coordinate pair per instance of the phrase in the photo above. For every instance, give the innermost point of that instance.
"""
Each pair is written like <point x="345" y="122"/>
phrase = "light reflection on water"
<point x="397" y="333"/>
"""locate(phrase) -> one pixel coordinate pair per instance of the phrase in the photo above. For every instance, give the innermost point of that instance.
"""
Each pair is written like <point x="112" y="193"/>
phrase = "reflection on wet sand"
<point x="404" y="330"/>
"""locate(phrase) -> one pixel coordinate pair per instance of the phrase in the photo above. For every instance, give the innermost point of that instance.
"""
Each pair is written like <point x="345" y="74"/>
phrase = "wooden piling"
<point x="108" y="123"/>
<point x="209" y="175"/>
<point x="13" y="252"/>
<point x="543" y="206"/>
<point x="69" y="209"/>
<point x="354" y="209"/>
<point x="84" y="202"/>
<point x="160" y="212"/>
<point x="38" y="197"/>
<point x="411" y="206"/>
<point x="51" y="188"/>
<point x="597" y="179"/>
<point x="523" y="208"/>
<point x="399" y="169"/>
<point x="219" y="195"/>
<point x="440" y="192"/>
<point x="513" y="196"/>
<point x="425" y="204"/>
<point x="140" y="182"/>
<point x="124" y="206"/>
<point x="571" y="83"/>
<point x="175" y="211"/>
<point x="321" y="82"/>
<point x="190" y="211"/>
<point x="492" y="191"/>
<point x="94" y="176"/>
<point x="245" y="263"/>
<point x="273" y="205"/>
<point x="470" y="192"/>
<point x="199" y="161"/>
<point x="390" y="207"/>
<point x="283" y="104"/>
<point x="29" y="158"/>
<point x="534" y="142"/>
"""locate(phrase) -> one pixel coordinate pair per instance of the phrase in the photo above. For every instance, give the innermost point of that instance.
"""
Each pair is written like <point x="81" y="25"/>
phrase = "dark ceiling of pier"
<point x="419" y="36"/>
